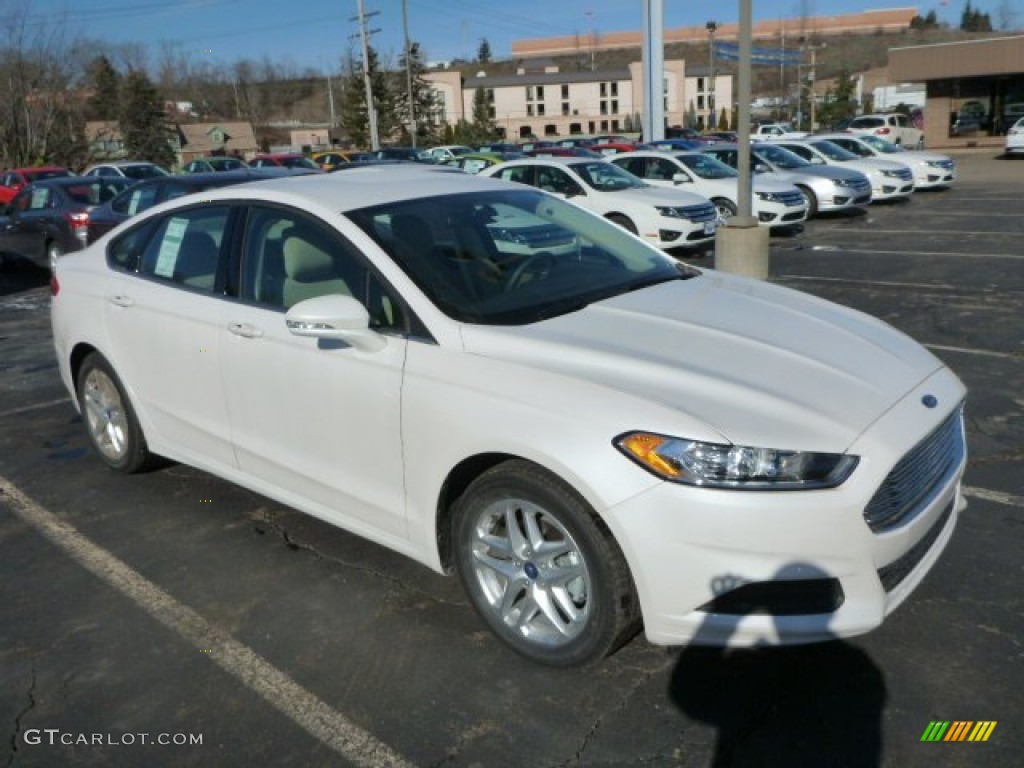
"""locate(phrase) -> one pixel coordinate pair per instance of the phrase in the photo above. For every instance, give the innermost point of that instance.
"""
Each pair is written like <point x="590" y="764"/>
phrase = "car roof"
<point x="361" y="187"/>
<point x="75" y="181"/>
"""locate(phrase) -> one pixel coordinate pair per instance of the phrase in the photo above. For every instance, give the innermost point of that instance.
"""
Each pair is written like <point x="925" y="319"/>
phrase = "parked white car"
<point x="1015" y="137"/>
<point x="930" y="169"/>
<point x="890" y="180"/>
<point x="776" y="204"/>
<point x="828" y="188"/>
<point x="664" y="218"/>
<point x="132" y="169"/>
<point x="445" y="153"/>
<point x="592" y="441"/>
<point x="894" y="127"/>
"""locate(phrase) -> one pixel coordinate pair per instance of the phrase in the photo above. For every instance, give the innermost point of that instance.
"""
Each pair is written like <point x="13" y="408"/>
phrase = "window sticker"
<point x="169" y="247"/>
<point x="133" y="206"/>
<point x="40" y="197"/>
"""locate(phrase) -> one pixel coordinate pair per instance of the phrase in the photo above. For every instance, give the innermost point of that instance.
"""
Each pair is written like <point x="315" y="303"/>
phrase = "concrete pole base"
<point x="741" y="247"/>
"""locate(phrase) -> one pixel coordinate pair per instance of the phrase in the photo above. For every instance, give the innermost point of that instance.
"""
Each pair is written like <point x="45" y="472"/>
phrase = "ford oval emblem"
<point x="930" y="401"/>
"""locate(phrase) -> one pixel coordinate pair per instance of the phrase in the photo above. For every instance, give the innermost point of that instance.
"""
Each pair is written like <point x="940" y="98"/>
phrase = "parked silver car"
<point x="826" y="187"/>
<point x="890" y="180"/>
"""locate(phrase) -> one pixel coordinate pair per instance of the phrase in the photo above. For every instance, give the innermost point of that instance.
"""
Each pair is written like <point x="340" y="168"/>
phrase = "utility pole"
<point x="712" y="27"/>
<point x="812" y="77"/>
<point x="330" y="99"/>
<point x="408" y="75"/>
<point x="371" y="110"/>
<point x="653" y="55"/>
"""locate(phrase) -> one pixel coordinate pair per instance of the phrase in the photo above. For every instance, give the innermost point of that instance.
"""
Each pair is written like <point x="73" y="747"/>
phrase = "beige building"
<point x="541" y="100"/>
<point x="196" y="140"/>
<point x="973" y="89"/>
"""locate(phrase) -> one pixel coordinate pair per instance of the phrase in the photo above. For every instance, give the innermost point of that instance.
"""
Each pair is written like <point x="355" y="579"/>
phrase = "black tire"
<point x="53" y="252"/>
<point x="724" y="208"/>
<point x="623" y="221"/>
<point x="811" y="198"/>
<point x="541" y="569"/>
<point x="110" y="421"/>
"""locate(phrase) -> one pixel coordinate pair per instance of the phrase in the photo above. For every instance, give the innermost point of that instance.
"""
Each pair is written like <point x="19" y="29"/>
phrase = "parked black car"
<point x="148" y="193"/>
<point x="49" y="218"/>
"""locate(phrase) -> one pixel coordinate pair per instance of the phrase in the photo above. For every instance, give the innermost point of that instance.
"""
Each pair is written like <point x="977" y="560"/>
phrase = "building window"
<point x="550" y="130"/>
<point x="565" y="108"/>
<point x="529" y="110"/>
<point x="565" y="91"/>
<point x="700" y="85"/>
<point x="615" y="106"/>
<point x="540" y="93"/>
<point x="604" y="107"/>
<point x="604" y="90"/>
<point x="700" y="101"/>
<point x="529" y="93"/>
<point x="615" y="89"/>
<point x="540" y="110"/>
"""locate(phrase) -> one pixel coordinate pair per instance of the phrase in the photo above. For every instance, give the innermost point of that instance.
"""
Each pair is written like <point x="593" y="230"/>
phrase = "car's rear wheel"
<point x="110" y="420"/>
<point x="623" y="221"/>
<point x="811" y="198"/>
<point x="541" y="569"/>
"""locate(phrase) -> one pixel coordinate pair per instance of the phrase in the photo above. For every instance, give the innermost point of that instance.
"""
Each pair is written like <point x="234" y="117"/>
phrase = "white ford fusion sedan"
<point x="500" y="384"/>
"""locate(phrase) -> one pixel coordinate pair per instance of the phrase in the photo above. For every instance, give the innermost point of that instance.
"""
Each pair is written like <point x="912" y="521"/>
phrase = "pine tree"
<point x="144" y="123"/>
<point x="354" y="116"/>
<point x="106" y="85"/>
<point x="483" y="53"/>
<point x="483" y="123"/>
<point x="424" y="101"/>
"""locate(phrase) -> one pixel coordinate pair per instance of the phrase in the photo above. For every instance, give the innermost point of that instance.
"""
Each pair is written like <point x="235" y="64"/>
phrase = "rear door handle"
<point x="120" y="300"/>
<point x="245" y="330"/>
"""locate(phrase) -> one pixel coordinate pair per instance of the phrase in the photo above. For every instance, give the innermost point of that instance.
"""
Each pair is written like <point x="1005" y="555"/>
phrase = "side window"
<point x="634" y="165"/>
<point x="185" y="249"/>
<point x="804" y="152"/>
<point x="522" y="174"/>
<point x="125" y="252"/>
<point x="135" y="200"/>
<point x="289" y="257"/>
<point x="660" y="169"/>
<point x="22" y="201"/>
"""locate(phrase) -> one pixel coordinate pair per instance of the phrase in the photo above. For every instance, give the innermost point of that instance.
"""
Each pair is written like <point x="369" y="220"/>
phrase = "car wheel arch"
<point x="462" y="475"/>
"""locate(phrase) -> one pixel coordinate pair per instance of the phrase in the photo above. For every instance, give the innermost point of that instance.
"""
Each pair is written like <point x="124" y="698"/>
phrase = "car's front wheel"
<point x="110" y="420"/>
<point x="541" y="569"/>
<point x="811" y="198"/>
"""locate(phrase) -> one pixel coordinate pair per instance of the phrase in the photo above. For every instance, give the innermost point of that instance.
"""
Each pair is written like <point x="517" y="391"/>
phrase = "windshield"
<point x="41" y="175"/>
<point x="833" y="151"/>
<point x="882" y="145"/>
<point x="605" y="177"/>
<point x="143" y="171"/>
<point x="707" y="167"/>
<point x="512" y="257"/>
<point x="298" y="162"/>
<point x="867" y="122"/>
<point x="779" y="157"/>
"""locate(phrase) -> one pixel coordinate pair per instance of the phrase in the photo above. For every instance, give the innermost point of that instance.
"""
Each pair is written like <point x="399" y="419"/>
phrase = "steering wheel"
<point x="544" y="259"/>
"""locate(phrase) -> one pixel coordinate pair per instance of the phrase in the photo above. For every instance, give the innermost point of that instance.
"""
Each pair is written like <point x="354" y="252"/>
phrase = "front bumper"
<point x="688" y="547"/>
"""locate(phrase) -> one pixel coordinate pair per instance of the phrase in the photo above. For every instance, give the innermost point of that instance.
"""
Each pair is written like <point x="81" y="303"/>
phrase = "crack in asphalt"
<point x="646" y="675"/>
<point x="269" y="518"/>
<point x="19" y="716"/>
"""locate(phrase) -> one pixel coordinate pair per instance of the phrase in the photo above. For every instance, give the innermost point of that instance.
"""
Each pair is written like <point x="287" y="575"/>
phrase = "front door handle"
<point x="120" y="300"/>
<point x="245" y="330"/>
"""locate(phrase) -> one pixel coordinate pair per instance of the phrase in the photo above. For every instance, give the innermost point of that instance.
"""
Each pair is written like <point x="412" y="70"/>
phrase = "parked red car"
<point x="16" y="178"/>
<point x="283" y="160"/>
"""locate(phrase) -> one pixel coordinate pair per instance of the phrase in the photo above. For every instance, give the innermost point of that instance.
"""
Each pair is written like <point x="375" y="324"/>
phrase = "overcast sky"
<point x="317" y="33"/>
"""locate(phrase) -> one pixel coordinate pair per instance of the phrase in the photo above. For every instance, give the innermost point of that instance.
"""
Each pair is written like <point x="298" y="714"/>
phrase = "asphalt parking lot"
<point x="173" y="619"/>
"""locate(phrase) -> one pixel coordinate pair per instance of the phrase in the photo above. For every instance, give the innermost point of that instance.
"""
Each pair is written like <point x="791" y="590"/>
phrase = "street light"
<point x="712" y="26"/>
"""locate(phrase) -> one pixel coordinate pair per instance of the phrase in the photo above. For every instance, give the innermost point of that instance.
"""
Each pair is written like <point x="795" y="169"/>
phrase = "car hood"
<point x="917" y="156"/>
<point x="656" y="196"/>
<point x="755" y="363"/>
<point x="869" y="164"/>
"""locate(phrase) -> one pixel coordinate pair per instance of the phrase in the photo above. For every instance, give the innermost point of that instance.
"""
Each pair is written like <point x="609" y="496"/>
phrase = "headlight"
<point x="671" y="212"/>
<point x="841" y="182"/>
<point x="768" y="197"/>
<point x="735" y="467"/>
<point x="891" y="174"/>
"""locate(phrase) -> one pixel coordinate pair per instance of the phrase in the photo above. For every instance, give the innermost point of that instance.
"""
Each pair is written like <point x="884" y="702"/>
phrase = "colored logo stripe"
<point x="958" y="730"/>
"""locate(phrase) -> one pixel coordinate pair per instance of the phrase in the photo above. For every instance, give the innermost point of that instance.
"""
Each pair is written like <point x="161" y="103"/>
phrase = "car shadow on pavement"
<point x="17" y="275"/>
<point x="803" y="706"/>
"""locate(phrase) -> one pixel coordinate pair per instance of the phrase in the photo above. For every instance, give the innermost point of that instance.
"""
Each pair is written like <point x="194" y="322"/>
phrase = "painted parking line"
<point x="35" y="407"/>
<point x="840" y="251"/>
<point x="306" y="710"/>
<point x="997" y="497"/>
<point x="975" y="351"/>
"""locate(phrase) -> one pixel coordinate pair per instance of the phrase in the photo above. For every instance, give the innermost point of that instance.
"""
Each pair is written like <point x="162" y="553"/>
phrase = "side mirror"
<point x="761" y="168"/>
<point x="681" y="178"/>
<point x="335" y="316"/>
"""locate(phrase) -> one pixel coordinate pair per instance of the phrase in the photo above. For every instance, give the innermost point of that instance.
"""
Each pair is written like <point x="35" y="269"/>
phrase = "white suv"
<point x="666" y="218"/>
<point x="894" y="127"/>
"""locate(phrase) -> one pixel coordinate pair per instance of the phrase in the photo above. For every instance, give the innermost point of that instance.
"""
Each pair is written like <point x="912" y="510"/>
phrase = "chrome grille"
<point x="925" y="468"/>
<point x="699" y="212"/>
<point x="790" y="199"/>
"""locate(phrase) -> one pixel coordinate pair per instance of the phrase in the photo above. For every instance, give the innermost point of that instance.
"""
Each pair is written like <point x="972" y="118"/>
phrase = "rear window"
<point x="867" y="122"/>
<point x="95" y="192"/>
